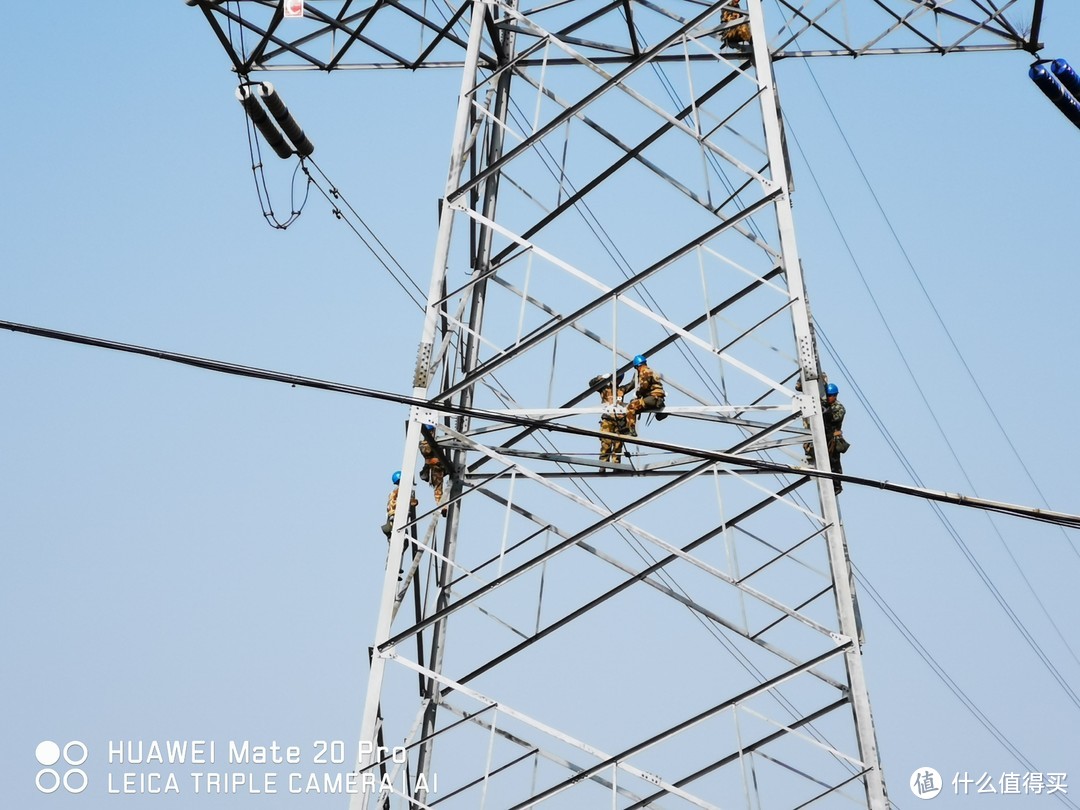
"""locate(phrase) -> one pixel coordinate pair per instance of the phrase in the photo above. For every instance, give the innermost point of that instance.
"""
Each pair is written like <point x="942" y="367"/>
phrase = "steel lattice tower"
<point x="679" y="629"/>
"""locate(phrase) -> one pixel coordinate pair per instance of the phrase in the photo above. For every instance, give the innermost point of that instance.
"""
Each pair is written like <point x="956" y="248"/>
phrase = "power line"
<point x="955" y="535"/>
<point x="382" y="255"/>
<point x="922" y="287"/>
<point x="221" y="366"/>
<point x="913" y="640"/>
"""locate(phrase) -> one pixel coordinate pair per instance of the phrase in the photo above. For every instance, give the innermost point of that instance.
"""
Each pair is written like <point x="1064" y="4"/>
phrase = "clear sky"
<point x="196" y="556"/>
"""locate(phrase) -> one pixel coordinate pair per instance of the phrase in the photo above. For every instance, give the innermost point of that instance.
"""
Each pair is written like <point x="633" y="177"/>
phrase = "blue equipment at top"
<point x="1057" y="86"/>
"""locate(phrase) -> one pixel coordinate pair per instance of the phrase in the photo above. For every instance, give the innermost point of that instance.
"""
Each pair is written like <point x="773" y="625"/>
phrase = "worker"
<point x="735" y="35"/>
<point x="832" y="413"/>
<point x="649" y="396"/>
<point x="614" y="420"/>
<point x="391" y="508"/>
<point x="435" y="466"/>
<point x="391" y="504"/>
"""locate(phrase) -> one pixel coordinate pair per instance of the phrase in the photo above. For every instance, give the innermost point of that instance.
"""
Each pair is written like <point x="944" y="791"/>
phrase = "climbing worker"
<point x="739" y="34"/>
<point x="614" y="419"/>
<point x="391" y="504"/>
<point x="391" y="508"/>
<point x="833" y="413"/>
<point x="435" y="464"/>
<point x="648" y="397"/>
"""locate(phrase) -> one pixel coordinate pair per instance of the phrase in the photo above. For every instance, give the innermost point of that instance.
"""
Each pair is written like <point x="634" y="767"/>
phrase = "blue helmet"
<point x="429" y="427"/>
<point x="396" y="477"/>
<point x="831" y="390"/>
<point x="639" y="360"/>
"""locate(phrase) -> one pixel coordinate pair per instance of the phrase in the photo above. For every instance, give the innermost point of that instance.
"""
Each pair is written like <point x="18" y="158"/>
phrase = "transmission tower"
<point x="676" y="627"/>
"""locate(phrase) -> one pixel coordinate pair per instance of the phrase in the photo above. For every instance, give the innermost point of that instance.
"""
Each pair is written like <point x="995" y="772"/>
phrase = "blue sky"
<point x="190" y="555"/>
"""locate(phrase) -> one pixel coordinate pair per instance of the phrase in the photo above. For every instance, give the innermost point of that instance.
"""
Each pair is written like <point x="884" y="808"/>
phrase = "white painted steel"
<point x="718" y="525"/>
<point x="368" y="729"/>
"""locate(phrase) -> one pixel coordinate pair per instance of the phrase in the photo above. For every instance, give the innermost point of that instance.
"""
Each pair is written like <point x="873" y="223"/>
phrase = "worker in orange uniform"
<point x="735" y="35"/>
<point x="614" y="420"/>
<point x="435" y="464"/>
<point x="649" y="396"/>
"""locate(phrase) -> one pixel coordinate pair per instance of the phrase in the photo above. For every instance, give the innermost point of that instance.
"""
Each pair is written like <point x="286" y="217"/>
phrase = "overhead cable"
<point x="969" y="555"/>
<point x="957" y="499"/>
<point x="957" y="539"/>
<point x="365" y="234"/>
<point x="913" y="640"/>
<point x="926" y="294"/>
<point x="898" y="452"/>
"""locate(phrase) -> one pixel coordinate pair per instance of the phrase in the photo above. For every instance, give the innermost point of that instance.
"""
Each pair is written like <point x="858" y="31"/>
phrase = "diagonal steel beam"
<point x="622" y="756"/>
<point x="552" y="327"/>
<point x="750" y="748"/>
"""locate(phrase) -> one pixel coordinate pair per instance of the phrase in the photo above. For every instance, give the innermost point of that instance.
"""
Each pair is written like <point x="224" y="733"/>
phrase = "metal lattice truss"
<point x="676" y="629"/>
<point x="672" y="625"/>
<point x="340" y="34"/>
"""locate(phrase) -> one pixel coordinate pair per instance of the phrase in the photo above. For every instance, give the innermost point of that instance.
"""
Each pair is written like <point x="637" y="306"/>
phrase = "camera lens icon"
<point x="73" y="779"/>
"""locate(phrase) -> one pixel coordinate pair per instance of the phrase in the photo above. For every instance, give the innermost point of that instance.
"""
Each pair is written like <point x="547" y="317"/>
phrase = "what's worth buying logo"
<point x="49" y="779"/>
